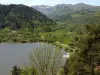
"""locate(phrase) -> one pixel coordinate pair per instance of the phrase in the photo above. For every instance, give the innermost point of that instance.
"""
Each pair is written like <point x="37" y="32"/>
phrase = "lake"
<point x="14" y="54"/>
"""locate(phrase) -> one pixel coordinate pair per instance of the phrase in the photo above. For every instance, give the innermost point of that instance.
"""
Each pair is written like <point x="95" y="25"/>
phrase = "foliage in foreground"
<point x="16" y="70"/>
<point x="86" y="60"/>
<point x="46" y="59"/>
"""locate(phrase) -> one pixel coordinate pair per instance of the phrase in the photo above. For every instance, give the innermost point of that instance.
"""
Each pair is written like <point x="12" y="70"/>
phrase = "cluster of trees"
<point x="86" y="59"/>
<point x="27" y="71"/>
<point x="24" y="36"/>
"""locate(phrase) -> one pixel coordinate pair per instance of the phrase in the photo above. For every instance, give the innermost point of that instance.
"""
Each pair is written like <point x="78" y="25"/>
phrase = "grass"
<point x="62" y="36"/>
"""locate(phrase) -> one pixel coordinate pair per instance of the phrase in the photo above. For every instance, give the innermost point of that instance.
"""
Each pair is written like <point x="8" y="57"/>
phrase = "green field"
<point x="61" y="36"/>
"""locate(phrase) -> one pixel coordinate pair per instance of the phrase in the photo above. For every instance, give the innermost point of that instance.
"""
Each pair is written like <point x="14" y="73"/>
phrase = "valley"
<point x="43" y="35"/>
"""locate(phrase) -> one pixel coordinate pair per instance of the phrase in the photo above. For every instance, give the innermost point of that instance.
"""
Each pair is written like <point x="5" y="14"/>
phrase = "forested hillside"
<point x="20" y="23"/>
<point x="21" y="16"/>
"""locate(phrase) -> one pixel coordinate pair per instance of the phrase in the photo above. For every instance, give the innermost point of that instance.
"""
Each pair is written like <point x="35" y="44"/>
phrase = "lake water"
<point x="14" y="54"/>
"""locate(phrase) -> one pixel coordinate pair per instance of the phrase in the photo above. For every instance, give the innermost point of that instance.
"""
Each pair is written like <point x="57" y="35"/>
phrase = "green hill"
<point x="21" y="16"/>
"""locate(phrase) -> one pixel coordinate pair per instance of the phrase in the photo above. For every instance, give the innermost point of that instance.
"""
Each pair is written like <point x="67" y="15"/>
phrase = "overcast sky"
<point x="49" y="2"/>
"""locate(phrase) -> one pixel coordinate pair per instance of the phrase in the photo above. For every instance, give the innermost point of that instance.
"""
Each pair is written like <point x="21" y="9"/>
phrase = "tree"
<point x="92" y="50"/>
<point x="87" y="57"/>
<point x="47" y="28"/>
<point x="29" y="71"/>
<point x="46" y="59"/>
<point x="16" y="70"/>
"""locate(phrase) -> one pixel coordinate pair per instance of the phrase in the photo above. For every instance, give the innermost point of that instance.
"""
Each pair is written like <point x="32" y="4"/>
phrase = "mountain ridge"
<point x="63" y="11"/>
<point x="71" y="6"/>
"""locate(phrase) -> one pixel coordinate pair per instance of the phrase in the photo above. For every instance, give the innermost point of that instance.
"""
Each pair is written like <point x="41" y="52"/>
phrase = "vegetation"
<point x="45" y="60"/>
<point x="16" y="70"/>
<point x="86" y="59"/>
<point x="17" y="17"/>
<point x="68" y="12"/>
<point x="75" y="17"/>
<point x="24" y="36"/>
<point x="77" y="31"/>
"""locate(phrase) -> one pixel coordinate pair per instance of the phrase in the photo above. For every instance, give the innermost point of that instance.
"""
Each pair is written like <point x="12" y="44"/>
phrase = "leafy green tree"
<point x="29" y="71"/>
<point x="84" y="60"/>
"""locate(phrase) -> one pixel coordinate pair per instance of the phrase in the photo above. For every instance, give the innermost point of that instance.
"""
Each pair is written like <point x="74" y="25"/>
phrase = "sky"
<point x="50" y="2"/>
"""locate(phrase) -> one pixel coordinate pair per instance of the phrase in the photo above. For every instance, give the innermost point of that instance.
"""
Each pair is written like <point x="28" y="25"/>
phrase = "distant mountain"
<point x="78" y="14"/>
<point x="21" y="16"/>
<point x="65" y="7"/>
<point x="82" y="6"/>
<point x="53" y="10"/>
<point x="44" y="8"/>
